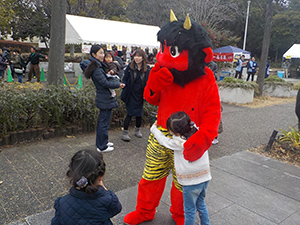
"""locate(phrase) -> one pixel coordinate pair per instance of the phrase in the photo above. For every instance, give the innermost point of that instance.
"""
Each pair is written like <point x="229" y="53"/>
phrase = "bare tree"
<point x="90" y="8"/>
<point x="213" y="13"/>
<point x="150" y="12"/>
<point x="57" y="42"/>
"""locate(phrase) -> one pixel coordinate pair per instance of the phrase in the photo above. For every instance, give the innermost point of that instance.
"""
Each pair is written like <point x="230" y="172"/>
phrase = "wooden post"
<point x="272" y="139"/>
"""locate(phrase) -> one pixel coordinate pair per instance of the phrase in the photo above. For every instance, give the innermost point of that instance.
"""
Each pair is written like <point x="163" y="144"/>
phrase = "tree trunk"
<point x="265" y="46"/>
<point x="57" y="42"/>
<point x="72" y="50"/>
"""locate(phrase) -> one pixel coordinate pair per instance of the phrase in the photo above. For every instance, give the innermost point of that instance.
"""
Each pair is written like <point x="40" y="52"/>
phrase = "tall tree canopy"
<point x="7" y="14"/>
<point x="286" y="28"/>
<point x="223" y="19"/>
<point x="25" y="19"/>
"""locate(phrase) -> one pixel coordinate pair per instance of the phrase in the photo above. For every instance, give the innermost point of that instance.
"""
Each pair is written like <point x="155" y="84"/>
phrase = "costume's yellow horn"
<point x="187" y="23"/>
<point x="172" y="16"/>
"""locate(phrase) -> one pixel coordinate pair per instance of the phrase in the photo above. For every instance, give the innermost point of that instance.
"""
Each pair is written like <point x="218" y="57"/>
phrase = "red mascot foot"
<point x="149" y="195"/>
<point x="135" y="218"/>
<point x="177" y="205"/>
<point x="179" y="220"/>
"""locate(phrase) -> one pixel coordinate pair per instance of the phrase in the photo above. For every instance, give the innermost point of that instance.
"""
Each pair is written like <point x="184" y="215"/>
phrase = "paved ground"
<point x="246" y="188"/>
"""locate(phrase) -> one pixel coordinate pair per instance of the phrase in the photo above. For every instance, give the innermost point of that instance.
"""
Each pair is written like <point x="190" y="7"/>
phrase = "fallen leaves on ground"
<point x="264" y="101"/>
<point x="279" y="152"/>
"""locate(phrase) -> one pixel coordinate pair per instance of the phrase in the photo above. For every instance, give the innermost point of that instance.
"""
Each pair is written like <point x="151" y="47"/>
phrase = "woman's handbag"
<point x="18" y="71"/>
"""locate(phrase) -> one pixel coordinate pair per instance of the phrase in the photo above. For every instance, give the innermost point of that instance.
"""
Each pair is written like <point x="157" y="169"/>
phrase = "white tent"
<point x="293" y="52"/>
<point x="81" y="30"/>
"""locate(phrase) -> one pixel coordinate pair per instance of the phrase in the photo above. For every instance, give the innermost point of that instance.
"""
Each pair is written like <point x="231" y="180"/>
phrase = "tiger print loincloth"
<point x="159" y="160"/>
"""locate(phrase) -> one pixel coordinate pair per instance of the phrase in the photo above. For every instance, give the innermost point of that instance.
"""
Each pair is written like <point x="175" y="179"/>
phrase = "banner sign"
<point x="223" y="57"/>
<point x="86" y="48"/>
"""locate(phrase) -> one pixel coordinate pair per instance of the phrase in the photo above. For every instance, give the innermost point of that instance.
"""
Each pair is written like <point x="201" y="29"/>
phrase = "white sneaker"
<point x="108" y="149"/>
<point x="110" y="144"/>
<point x="215" y="141"/>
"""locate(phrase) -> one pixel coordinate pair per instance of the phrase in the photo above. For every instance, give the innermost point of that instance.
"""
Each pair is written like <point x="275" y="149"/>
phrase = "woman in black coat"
<point x="93" y="68"/>
<point x="135" y="79"/>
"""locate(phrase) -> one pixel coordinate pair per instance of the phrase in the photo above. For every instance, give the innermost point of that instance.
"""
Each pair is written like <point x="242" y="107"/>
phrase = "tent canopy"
<point x="293" y="52"/>
<point x="228" y="53"/>
<point x="81" y="30"/>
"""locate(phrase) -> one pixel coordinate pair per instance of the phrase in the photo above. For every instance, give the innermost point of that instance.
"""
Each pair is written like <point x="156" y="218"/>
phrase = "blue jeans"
<point x="19" y="78"/>
<point x="102" y="129"/>
<point x="193" y="197"/>
<point x="1" y="74"/>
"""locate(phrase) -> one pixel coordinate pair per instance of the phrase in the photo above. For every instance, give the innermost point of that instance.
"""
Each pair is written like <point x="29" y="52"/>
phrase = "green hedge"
<point x="26" y="106"/>
<point x="231" y="82"/>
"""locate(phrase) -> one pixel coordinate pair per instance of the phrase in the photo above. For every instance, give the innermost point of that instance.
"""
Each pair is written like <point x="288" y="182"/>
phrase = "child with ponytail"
<point x="193" y="176"/>
<point x="89" y="201"/>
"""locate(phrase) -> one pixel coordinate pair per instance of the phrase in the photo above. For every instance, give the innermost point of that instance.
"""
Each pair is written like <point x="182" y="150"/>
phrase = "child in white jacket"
<point x="193" y="176"/>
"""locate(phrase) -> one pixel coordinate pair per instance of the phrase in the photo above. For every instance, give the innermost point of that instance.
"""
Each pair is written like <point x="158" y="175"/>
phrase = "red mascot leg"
<point x="149" y="195"/>
<point x="177" y="205"/>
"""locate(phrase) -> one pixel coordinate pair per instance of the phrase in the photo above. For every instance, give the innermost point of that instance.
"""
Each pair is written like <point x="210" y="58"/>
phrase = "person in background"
<point x="7" y="56"/>
<point x="16" y="63"/>
<point x="252" y="66"/>
<point x="267" y="72"/>
<point x="239" y="67"/>
<point x="88" y="201"/>
<point x="111" y="68"/>
<point x="118" y="57"/>
<point x="286" y="66"/>
<point x="34" y="59"/>
<point x="214" y="68"/>
<point x="128" y="57"/>
<point x="135" y="79"/>
<point x="298" y="71"/>
<point x="93" y="68"/>
<point x="150" y="59"/>
<point x="297" y="108"/>
<point x="3" y="65"/>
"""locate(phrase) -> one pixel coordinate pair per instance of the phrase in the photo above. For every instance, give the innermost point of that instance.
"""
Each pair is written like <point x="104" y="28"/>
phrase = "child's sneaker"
<point x="215" y="141"/>
<point x="108" y="149"/>
<point x="110" y="144"/>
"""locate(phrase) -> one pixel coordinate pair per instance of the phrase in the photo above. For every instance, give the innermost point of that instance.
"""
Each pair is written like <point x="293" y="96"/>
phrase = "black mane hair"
<point x="193" y="40"/>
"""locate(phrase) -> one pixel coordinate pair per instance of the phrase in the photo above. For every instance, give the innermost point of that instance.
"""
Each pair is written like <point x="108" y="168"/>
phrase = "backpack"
<point x="6" y="55"/>
<point x="23" y="64"/>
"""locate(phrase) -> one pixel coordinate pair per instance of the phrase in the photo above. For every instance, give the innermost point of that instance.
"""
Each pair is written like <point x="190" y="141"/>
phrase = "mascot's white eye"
<point x="174" y="51"/>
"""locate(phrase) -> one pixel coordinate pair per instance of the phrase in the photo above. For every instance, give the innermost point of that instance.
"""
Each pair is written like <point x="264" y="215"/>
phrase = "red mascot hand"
<point x="192" y="151"/>
<point x="159" y="78"/>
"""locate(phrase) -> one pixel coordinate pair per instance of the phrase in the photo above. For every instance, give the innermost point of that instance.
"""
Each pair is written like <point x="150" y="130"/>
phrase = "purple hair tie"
<point x="82" y="183"/>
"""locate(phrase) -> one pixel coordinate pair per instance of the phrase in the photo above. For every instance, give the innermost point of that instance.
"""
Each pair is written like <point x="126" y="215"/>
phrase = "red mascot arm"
<point x="159" y="78"/>
<point x="199" y="142"/>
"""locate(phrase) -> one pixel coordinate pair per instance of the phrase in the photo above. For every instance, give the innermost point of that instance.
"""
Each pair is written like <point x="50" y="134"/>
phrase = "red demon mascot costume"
<point x="179" y="81"/>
